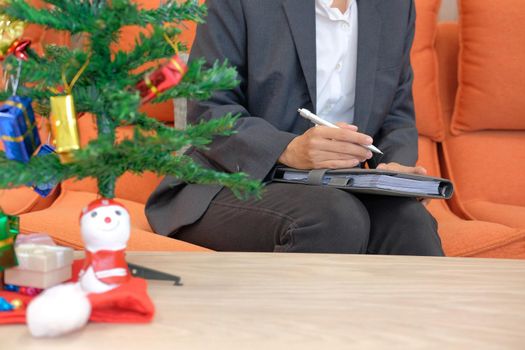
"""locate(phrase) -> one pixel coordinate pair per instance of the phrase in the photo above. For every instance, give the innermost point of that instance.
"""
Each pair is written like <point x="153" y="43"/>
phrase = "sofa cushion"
<point x="509" y="215"/>
<point x="473" y="238"/>
<point x="487" y="167"/>
<point x="23" y="200"/>
<point x="491" y="66"/>
<point x="476" y="238"/>
<point x="478" y="166"/>
<point x="424" y="62"/>
<point x="61" y="221"/>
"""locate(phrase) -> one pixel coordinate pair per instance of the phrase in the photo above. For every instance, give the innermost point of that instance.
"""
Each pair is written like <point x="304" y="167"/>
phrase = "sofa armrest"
<point x="24" y="200"/>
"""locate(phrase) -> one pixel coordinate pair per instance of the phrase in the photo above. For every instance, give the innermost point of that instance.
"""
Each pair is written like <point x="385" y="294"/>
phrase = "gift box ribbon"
<point x="8" y="242"/>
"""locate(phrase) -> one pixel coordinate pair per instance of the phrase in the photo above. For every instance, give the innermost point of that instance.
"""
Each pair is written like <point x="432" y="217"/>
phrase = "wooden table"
<point x="280" y="301"/>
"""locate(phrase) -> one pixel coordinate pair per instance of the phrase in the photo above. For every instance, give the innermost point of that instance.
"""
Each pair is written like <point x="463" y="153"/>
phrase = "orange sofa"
<point x="484" y="154"/>
<point x="435" y="61"/>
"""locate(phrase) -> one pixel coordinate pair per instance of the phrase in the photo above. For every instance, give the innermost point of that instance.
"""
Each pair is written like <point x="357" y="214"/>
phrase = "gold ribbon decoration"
<point x="69" y="87"/>
<point x="150" y="85"/>
<point x="171" y="43"/>
<point x="178" y="67"/>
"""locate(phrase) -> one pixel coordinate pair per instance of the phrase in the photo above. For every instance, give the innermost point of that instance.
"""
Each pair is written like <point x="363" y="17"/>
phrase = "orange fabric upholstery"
<point x="491" y="72"/>
<point x="424" y="62"/>
<point x="473" y="238"/>
<point x="447" y="47"/>
<point x="61" y="222"/>
<point x="466" y="237"/>
<point x="486" y="166"/>
<point x="23" y="200"/>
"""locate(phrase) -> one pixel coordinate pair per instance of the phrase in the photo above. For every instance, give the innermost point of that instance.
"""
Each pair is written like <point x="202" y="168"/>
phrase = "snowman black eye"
<point x="94" y="214"/>
<point x="118" y="212"/>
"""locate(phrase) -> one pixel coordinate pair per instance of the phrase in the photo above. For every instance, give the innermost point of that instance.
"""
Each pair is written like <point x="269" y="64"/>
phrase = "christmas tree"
<point x="106" y="84"/>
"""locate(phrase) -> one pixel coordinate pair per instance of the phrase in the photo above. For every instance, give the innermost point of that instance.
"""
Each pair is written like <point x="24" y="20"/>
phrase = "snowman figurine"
<point x="105" y="228"/>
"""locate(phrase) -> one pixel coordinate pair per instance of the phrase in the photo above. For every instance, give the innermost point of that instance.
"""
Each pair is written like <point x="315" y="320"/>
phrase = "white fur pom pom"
<point x="58" y="310"/>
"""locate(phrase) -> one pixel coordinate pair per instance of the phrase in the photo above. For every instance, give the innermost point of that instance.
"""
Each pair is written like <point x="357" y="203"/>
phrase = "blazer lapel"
<point x="301" y="18"/>
<point x="369" y="30"/>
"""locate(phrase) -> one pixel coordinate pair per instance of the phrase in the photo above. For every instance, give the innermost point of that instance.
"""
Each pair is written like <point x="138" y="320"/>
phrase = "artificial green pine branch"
<point x="170" y="11"/>
<point x="103" y="159"/>
<point x="75" y="21"/>
<point x="77" y="16"/>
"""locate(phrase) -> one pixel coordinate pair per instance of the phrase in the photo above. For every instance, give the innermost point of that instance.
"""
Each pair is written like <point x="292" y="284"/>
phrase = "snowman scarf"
<point x="109" y="266"/>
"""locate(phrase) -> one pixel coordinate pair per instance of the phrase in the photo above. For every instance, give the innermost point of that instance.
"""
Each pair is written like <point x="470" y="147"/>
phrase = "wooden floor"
<point x="279" y="301"/>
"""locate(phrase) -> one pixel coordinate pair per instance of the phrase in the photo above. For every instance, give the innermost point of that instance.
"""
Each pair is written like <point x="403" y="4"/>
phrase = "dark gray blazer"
<point x="272" y="45"/>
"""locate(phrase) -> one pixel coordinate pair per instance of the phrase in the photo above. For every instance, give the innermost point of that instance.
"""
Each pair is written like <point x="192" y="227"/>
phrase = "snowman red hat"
<point x="100" y="203"/>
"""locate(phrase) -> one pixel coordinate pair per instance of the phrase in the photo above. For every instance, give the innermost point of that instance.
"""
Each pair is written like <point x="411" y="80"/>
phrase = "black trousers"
<point x="312" y="219"/>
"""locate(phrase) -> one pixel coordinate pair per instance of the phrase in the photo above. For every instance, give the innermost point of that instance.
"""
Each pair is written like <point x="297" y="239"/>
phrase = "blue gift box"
<point x="44" y="189"/>
<point x="18" y="129"/>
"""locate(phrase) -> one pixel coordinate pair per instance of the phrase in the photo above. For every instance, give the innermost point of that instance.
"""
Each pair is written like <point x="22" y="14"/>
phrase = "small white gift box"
<point x="40" y="266"/>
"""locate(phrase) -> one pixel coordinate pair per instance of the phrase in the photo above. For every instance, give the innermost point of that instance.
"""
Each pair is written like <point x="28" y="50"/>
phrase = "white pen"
<point x="320" y="121"/>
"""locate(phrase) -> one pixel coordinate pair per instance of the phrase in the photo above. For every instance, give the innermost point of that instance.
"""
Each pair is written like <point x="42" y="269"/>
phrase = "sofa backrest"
<point x="447" y="48"/>
<point x="491" y="66"/>
<point x="485" y="165"/>
<point x="425" y="65"/>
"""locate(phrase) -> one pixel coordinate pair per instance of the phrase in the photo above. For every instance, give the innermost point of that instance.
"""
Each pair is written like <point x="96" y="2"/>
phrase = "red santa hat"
<point x="99" y="203"/>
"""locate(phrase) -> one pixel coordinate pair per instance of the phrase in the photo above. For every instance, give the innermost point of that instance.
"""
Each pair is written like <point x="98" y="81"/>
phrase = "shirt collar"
<point x="323" y="7"/>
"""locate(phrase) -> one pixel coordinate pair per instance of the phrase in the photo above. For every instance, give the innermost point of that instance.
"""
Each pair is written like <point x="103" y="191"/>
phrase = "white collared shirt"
<point x="336" y="40"/>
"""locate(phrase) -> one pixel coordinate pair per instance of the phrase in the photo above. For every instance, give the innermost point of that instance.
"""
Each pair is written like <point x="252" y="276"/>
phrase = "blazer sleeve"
<point x="398" y="137"/>
<point x="257" y="145"/>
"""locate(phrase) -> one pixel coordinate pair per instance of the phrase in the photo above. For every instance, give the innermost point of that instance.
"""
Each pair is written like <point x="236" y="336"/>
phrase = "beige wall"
<point x="449" y="10"/>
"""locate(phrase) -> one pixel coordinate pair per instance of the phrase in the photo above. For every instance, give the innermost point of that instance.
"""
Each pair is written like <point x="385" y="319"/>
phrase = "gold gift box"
<point x="64" y="127"/>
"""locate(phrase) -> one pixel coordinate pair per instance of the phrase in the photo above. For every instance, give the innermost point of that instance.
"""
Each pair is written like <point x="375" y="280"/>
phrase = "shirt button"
<point x="339" y="66"/>
<point x="346" y="26"/>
